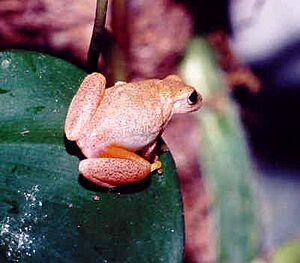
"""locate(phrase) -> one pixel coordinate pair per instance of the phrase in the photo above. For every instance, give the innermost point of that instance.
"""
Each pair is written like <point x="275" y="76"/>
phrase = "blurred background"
<point x="250" y="49"/>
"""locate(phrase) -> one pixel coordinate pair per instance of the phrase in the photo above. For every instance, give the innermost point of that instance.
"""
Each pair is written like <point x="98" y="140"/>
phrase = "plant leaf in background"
<point x="45" y="213"/>
<point x="224" y="158"/>
<point x="289" y="252"/>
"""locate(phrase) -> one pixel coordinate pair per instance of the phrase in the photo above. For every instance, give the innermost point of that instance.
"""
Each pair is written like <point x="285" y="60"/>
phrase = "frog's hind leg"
<point x="115" y="167"/>
<point x="112" y="172"/>
<point x="84" y="104"/>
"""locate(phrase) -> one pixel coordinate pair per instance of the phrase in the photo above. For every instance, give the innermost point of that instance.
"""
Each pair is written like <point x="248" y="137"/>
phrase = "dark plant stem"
<point x="98" y="35"/>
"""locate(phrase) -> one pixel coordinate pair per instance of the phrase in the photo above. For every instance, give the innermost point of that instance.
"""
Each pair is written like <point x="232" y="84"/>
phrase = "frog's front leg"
<point x="116" y="166"/>
<point x="84" y="104"/>
<point x="151" y="151"/>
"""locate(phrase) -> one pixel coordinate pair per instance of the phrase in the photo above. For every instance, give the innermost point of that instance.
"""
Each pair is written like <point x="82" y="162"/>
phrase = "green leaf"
<point x="46" y="211"/>
<point x="225" y="159"/>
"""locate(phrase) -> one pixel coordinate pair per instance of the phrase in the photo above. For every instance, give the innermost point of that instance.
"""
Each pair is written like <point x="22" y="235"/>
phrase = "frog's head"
<point x="184" y="98"/>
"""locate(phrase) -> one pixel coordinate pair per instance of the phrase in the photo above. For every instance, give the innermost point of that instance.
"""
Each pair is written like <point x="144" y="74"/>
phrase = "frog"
<point x="118" y="128"/>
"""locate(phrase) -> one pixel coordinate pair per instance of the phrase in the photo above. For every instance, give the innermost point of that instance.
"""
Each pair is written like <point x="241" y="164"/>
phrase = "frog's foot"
<point x="115" y="167"/>
<point x="156" y="166"/>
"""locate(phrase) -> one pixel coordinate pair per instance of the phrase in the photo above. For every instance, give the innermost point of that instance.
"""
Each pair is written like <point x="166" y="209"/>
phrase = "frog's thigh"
<point x="84" y="104"/>
<point x="110" y="172"/>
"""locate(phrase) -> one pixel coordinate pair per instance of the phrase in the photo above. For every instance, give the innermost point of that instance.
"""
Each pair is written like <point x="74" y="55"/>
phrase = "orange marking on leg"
<point x="119" y="152"/>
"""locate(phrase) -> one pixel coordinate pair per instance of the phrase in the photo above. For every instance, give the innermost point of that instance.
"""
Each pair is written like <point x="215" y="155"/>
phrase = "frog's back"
<point x="132" y="105"/>
<point x="130" y="116"/>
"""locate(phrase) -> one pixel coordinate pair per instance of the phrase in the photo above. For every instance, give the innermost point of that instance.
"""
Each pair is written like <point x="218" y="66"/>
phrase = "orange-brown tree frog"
<point x="111" y="125"/>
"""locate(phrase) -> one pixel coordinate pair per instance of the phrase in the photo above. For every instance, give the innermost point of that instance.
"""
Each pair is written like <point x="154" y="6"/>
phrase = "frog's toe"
<point x="156" y="166"/>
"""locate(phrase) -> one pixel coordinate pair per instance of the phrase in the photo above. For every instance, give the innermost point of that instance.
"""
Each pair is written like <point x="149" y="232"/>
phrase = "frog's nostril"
<point x="193" y="98"/>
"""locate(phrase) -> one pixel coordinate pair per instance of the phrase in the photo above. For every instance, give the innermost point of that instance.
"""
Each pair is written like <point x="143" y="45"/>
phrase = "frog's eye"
<point x="193" y="98"/>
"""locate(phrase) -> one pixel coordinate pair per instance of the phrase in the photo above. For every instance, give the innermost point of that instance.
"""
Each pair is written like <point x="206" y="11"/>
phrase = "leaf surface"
<point x="47" y="212"/>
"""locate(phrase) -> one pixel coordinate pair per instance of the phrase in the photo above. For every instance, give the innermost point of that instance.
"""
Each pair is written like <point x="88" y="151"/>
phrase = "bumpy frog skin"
<point x="110" y="125"/>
